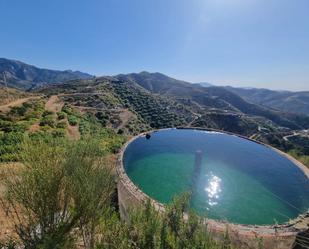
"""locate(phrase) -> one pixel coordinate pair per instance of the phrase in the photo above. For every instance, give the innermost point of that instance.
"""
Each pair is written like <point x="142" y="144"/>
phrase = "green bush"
<point x="149" y="229"/>
<point x="73" y="120"/>
<point x="45" y="128"/>
<point x="47" y="113"/>
<point x="27" y="111"/>
<point x="57" y="133"/>
<point x="10" y="145"/>
<point x="61" y="115"/>
<point x="18" y="110"/>
<point x="67" y="109"/>
<point x="62" y="125"/>
<point x="48" y="120"/>
<point x="8" y="126"/>
<point x="66" y="185"/>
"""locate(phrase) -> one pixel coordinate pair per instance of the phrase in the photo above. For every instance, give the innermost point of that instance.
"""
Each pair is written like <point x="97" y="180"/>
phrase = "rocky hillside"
<point x="23" y="76"/>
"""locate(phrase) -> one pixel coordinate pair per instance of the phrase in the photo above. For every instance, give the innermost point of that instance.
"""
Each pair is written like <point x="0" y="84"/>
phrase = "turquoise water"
<point x="237" y="180"/>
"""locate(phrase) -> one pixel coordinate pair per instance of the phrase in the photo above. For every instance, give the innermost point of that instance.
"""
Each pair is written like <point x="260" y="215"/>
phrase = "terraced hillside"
<point x="108" y="98"/>
<point x="80" y="107"/>
<point x="111" y="97"/>
<point x="213" y="98"/>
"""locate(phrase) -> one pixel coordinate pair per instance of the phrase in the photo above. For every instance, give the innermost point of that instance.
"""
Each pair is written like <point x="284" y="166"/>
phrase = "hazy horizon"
<point x="247" y="43"/>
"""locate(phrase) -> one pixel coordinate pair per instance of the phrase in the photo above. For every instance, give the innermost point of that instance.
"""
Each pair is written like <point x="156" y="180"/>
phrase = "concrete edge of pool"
<point x="273" y="236"/>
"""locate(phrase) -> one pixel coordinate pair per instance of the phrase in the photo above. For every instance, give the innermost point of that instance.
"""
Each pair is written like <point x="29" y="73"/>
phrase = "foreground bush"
<point x="63" y="186"/>
<point x="149" y="229"/>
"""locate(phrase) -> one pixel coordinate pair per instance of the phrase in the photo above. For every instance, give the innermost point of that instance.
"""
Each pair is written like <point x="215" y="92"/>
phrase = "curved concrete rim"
<point x="293" y="227"/>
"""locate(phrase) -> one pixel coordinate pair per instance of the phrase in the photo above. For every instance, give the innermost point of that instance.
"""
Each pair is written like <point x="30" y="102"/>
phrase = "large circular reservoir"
<point x="230" y="178"/>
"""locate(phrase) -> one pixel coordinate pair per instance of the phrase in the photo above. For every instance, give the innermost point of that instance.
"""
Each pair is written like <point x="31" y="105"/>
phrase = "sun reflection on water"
<point x="213" y="189"/>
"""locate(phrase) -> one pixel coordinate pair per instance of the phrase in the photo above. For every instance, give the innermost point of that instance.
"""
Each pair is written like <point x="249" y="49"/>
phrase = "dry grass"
<point x="9" y="94"/>
<point x="6" y="225"/>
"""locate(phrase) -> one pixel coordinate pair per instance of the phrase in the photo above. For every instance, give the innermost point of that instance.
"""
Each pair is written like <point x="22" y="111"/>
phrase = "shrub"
<point x="47" y="113"/>
<point x="62" y="186"/>
<point x="18" y="110"/>
<point x="48" y="120"/>
<point x="10" y="145"/>
<point x="61" y="125"/>
<point x="58" y="133"/>
<point x="73" y="120"/>
<point x="8" y="126"/>
<point x="61" y="115"/>
<point x="67" y="109"/>
<point x="147" y="228"/>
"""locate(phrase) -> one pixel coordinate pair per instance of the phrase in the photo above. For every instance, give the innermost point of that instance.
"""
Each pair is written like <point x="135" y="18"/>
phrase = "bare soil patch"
<point x="54" y="104"/>
<point x="73" y="132"/>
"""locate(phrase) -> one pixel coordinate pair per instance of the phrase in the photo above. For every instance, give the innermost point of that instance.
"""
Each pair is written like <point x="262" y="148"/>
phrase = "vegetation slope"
<point x="61" y="132"/>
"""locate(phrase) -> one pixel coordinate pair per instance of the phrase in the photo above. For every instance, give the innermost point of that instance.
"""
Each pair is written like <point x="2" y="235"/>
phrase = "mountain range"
<point x="20" y="75"/>
<point x="297" y="102"/>
<point x="287" y="109"/>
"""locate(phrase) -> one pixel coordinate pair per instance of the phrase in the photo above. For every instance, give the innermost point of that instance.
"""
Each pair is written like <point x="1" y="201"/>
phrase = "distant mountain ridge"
<point x="23" y="76"/>
<point x="297" y="102"/>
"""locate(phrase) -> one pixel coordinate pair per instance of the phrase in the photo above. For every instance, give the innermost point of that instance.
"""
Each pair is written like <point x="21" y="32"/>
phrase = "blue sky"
<point x="258" y="43"/>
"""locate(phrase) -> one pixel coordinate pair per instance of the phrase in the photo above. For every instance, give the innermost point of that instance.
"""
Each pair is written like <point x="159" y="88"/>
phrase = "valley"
<point x="113" y="109"/>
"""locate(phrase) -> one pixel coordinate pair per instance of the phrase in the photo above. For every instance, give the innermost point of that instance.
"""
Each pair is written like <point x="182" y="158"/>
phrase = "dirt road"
<point x="18" y="102"/>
